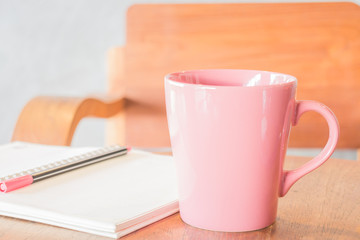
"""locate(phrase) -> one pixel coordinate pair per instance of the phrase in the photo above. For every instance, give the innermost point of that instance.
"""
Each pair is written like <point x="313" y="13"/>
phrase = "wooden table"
<point x="323" y="205"/>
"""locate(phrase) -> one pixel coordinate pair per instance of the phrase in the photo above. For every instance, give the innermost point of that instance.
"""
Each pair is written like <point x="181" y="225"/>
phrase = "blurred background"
<point x="50" y="47"/>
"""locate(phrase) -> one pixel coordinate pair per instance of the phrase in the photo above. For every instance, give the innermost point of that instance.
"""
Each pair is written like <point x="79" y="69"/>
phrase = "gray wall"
<point x="50" y="47"/>
<point x="56" y="48"/>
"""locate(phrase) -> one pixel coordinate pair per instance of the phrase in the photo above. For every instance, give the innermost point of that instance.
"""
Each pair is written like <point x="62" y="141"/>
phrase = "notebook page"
<point x="16" y="157"/>
<point x="106" y="197"/>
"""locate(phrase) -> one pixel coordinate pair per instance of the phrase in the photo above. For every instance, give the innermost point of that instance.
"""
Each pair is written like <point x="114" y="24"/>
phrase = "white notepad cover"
<point x="111" y="198"/>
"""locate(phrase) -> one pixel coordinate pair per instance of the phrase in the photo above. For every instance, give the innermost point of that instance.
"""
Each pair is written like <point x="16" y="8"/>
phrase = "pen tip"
<point x="15" y="183"/>
<point x="2" y="187"/>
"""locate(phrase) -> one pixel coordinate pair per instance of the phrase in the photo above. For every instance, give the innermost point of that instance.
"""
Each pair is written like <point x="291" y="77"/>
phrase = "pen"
<point x="63" y="166"/>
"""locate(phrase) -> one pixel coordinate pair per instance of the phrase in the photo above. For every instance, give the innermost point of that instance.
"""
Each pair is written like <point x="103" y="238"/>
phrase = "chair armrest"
<point x="53" y="120"/>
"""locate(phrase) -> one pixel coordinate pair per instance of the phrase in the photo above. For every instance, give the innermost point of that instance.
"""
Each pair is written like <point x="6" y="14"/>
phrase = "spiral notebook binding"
<point x="71" y="160"/>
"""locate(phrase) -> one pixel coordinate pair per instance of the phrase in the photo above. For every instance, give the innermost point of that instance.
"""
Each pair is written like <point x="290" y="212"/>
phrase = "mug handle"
<point x="288" y="178"/>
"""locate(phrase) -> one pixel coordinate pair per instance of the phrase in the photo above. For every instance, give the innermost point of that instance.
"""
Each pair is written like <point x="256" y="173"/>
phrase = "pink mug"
<point x="229" y="131"/>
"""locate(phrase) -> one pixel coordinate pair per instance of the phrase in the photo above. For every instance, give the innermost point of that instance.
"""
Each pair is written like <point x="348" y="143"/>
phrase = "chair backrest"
<point x="319" y="43"/>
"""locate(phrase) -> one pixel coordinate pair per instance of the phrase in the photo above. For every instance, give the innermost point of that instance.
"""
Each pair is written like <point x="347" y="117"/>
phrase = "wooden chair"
<point x="319" y="43"/>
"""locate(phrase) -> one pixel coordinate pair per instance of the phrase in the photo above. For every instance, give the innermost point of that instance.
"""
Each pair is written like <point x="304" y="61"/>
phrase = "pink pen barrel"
<point x="16" y="183"/>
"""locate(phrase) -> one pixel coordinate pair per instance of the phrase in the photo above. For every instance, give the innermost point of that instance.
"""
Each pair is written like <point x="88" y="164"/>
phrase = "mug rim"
<point x="291" y="82"/>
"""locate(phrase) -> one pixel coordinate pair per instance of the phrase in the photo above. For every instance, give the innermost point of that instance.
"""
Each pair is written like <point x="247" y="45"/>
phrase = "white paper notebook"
<point x="110" y="198"/>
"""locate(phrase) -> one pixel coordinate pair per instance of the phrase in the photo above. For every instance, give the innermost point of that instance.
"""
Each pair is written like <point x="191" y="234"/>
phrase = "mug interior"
<point x="231" y="77"/>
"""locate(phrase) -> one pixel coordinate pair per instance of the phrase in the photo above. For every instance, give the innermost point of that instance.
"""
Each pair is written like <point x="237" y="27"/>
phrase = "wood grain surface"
<point x="319" y="43"/>
<point x="53" y="120"/>
<point x="323" y="205"/>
